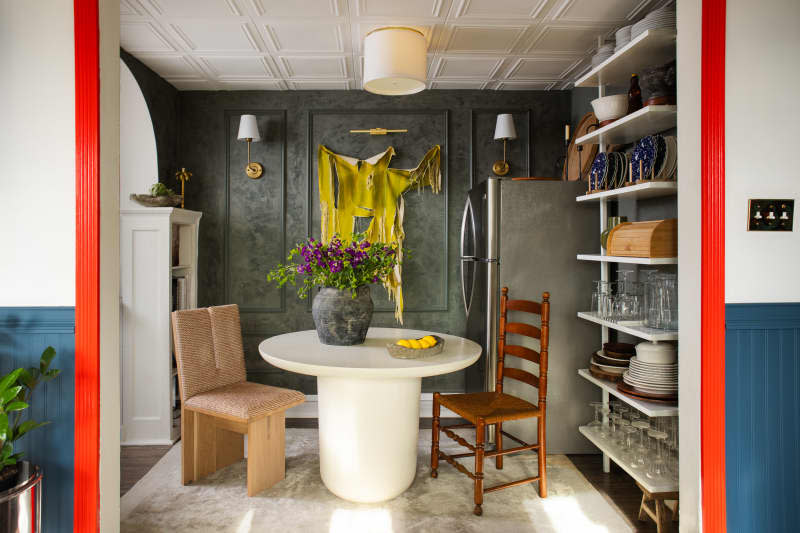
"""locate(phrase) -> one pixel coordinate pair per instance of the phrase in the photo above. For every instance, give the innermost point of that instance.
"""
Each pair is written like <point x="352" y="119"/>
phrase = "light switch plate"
<point x="770" y="215"/>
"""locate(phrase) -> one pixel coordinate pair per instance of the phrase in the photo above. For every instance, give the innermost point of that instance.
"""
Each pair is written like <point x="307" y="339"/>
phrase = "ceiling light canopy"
<point x="395" y="61"/>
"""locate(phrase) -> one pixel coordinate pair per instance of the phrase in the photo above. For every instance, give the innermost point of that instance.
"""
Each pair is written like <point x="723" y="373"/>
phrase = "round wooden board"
<point x="586" y="156"/>
<point x="602" y="374"/>
<point x="640" y="394"/>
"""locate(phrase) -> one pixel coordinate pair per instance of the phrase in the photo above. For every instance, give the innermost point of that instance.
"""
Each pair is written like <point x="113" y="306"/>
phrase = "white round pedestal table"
<point x="368" y="405"/>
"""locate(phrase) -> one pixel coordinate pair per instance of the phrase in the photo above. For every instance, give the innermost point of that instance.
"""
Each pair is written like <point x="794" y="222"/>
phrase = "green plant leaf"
<point x="27" y="426"/>
<point x="47" y="357"/>
<point x="9" y="394"/>
<point x="16" y="406"/>
<point x="10" y="379"/>
<point x="50" y="374"/>
<point x="26" y="378"/>
<point x="4" y="427"/>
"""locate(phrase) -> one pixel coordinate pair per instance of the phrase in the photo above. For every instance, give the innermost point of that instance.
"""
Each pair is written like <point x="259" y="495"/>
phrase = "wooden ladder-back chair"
<point x="483" y="409"/>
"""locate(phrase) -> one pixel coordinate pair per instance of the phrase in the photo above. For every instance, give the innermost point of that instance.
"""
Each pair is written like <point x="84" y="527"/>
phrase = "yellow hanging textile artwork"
<point x="350" y="188"/>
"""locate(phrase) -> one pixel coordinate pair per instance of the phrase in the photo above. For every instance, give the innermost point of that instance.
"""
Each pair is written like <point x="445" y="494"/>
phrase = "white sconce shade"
<point x="395" y="61"/>
<point x="248" y="128"/>
<point x="504" y="129"/>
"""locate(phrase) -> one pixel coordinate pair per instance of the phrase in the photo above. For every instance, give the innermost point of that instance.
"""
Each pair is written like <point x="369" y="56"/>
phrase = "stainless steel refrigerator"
<point x="525" y="235"/>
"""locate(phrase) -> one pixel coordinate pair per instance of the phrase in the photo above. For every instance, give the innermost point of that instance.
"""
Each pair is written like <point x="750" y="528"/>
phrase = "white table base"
<point x="368" y="431"/>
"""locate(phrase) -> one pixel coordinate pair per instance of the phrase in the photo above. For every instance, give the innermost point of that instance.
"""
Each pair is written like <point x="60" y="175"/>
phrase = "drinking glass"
<point x="622" y="424"/>
<point x="596" y="423"/>
<point x="641" y="449"/>
<point x="628" y="446"/>
<point x="657" y="465"/>
<point x="605" y="428"/>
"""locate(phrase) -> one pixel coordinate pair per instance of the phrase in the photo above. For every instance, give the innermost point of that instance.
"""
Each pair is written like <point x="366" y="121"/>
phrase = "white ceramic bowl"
<point x="659" y="353"/>
<point x="610" y="107"/>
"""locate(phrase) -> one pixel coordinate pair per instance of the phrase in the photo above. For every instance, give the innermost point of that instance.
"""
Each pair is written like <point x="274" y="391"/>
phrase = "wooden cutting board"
<point x="586" y="156"/>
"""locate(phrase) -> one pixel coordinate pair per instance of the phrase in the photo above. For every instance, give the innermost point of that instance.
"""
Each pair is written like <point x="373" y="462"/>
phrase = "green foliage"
<point x="16" y="389"/>
<point x="343" y="265"/>
<point x="159" y="189"/>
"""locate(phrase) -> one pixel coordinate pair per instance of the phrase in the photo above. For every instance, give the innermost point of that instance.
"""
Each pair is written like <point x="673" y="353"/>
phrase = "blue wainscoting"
<point x="762" y="416"/>
<point x="24" y="333"/>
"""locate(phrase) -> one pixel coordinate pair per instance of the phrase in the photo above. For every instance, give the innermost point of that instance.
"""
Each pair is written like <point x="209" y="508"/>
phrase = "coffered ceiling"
<point x="317" y="44"/>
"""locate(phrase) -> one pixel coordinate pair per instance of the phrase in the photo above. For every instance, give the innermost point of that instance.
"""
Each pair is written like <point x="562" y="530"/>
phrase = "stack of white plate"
<point x="623" y="36"/>
<point x="603" y="53"/>
<point x="652" y="378"/>
<point x="660" y="18"/>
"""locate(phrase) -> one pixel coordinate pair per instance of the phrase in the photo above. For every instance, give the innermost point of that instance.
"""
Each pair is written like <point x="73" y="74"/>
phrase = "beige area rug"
<point x="219" y="503"/>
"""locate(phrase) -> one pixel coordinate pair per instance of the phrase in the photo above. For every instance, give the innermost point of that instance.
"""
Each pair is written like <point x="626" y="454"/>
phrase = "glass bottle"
<point x="634" y="95"/>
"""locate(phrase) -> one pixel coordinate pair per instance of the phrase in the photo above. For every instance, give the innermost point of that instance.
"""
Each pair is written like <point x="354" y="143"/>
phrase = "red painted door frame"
<point x="712" y="385"/>
<point x="87" y="267"/>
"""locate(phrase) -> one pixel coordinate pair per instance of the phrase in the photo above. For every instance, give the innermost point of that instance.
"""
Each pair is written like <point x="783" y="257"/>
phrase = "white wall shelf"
<point x="652" y="47"/>
<point x="648" y="408"/>
<point x="646" y="121"/>
<point x="643" y="332"/>
<point x="641" y="191"/>
<point x="614" y="453"/>
<point x="629" y="260"/>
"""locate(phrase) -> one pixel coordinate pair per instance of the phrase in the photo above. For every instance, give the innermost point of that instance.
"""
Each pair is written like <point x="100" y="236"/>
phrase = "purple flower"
<point x="365" y="245"/>
<point x="375" y="279"/>
<point x="336" y="266"/>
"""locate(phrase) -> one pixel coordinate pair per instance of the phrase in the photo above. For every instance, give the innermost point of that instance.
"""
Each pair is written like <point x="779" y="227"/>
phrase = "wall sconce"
<point x="248" y="131"/>
<point x="503" y="131"/>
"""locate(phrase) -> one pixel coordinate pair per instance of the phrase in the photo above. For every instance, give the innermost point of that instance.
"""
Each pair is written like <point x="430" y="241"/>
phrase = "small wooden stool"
<point x="659" y="514"/>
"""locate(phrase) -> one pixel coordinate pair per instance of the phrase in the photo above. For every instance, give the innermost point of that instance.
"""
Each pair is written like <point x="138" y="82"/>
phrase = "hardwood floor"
<point x="135" y="462"/>
<point x="617" y="487"/>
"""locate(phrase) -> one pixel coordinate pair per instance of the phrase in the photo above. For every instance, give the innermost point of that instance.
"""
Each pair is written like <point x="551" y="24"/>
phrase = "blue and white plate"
<point x="644" y="152"/>
<point x="598" y="172"/>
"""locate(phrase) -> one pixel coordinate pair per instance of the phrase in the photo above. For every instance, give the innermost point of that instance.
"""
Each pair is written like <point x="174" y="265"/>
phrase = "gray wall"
<point x="162" y="101"/>
<point x="248" y="224"/>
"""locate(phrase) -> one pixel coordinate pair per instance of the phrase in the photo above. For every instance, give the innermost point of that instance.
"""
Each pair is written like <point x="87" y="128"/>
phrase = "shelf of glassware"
<point x="651" y="409"/>
<point x="662" y="484"/>
<point x="643" y="332"/>
<point x="650" y="189"/>
<point x="646" y="121"/>
<point x="629" y="260"/>
<point x="651" y="47"/>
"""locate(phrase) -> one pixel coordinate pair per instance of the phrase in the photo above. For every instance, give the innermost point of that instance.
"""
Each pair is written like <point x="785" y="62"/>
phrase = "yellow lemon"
<point x="415" y="344"/>
<point x="403" y="342"/>
<point x="425" y="343"/>
<point x="430" y="339"/>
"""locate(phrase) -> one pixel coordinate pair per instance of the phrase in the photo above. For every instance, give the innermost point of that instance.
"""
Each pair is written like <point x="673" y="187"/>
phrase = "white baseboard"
<point x="309" y="408"/>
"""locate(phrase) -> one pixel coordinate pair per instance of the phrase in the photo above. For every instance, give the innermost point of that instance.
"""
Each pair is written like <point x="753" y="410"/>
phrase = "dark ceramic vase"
<point x="342" y="320"/>
<point x="658" y="83"/>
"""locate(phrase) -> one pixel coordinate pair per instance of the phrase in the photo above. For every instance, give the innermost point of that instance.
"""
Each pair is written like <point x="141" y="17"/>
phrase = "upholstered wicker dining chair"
<point x="218" y="405"/>
<point x="486" y="408"/>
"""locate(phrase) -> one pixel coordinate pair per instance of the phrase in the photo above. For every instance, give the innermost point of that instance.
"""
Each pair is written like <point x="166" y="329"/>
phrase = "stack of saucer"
<point x="623" y="37"/>
<point x="612" y="361"/>
<point x="659" y="380"/>
<point x="603" y="53"/>
<point x="660" y="18"/>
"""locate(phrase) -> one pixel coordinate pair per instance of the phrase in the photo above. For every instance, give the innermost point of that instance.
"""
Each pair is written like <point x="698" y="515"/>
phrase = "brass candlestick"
<point x="183" y="176"/>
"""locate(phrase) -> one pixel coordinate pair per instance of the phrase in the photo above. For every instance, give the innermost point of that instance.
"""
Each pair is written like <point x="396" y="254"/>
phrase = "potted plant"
<point x="20" y="481"/>
<point x="342" y="309"/>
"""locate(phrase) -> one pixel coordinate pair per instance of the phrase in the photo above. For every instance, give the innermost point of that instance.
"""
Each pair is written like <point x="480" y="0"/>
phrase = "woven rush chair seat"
<point x="245" y="400"/>
<point x="492" y="407"/>
<point x="219" y="406"/>
<point x="482" y="409"/>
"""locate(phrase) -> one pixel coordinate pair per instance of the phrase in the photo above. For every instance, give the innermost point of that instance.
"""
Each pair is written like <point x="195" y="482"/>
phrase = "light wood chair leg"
<point x="266" y="445"/>
<point x="187" y="446"/>
<point x="498" y="437"/>
<point x="205" y="445"/>
<point x="542" y="451"/>
<point x="480" y="436"/>
<point x="435" y="436"/>
<point x="230" y="448"/>
<point x="643" y="508"/>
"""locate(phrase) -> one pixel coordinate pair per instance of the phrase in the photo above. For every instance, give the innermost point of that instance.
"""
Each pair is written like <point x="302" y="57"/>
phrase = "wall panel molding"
<point x="443" y="114"/>
<point x="268" y="177"/>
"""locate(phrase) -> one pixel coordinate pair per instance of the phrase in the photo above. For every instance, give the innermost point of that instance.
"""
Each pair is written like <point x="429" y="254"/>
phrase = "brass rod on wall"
<point x="378" y="131"/>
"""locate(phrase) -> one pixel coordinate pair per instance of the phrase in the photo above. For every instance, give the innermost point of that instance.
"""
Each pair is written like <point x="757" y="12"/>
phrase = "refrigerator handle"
<point x="467" y="216"/>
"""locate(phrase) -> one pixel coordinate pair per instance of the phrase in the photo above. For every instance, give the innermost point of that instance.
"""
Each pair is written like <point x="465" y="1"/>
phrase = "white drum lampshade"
<point x="395" y="61"/>
<point x="504" y="129"/>
<point x="248" y="128"/>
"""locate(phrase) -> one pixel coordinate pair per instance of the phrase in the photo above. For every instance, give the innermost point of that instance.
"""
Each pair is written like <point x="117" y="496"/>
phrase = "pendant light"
<point x="395" y="61"/>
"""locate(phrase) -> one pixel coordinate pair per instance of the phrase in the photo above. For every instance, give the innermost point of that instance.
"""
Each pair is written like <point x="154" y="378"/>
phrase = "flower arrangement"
<point x="343" y="265"/>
